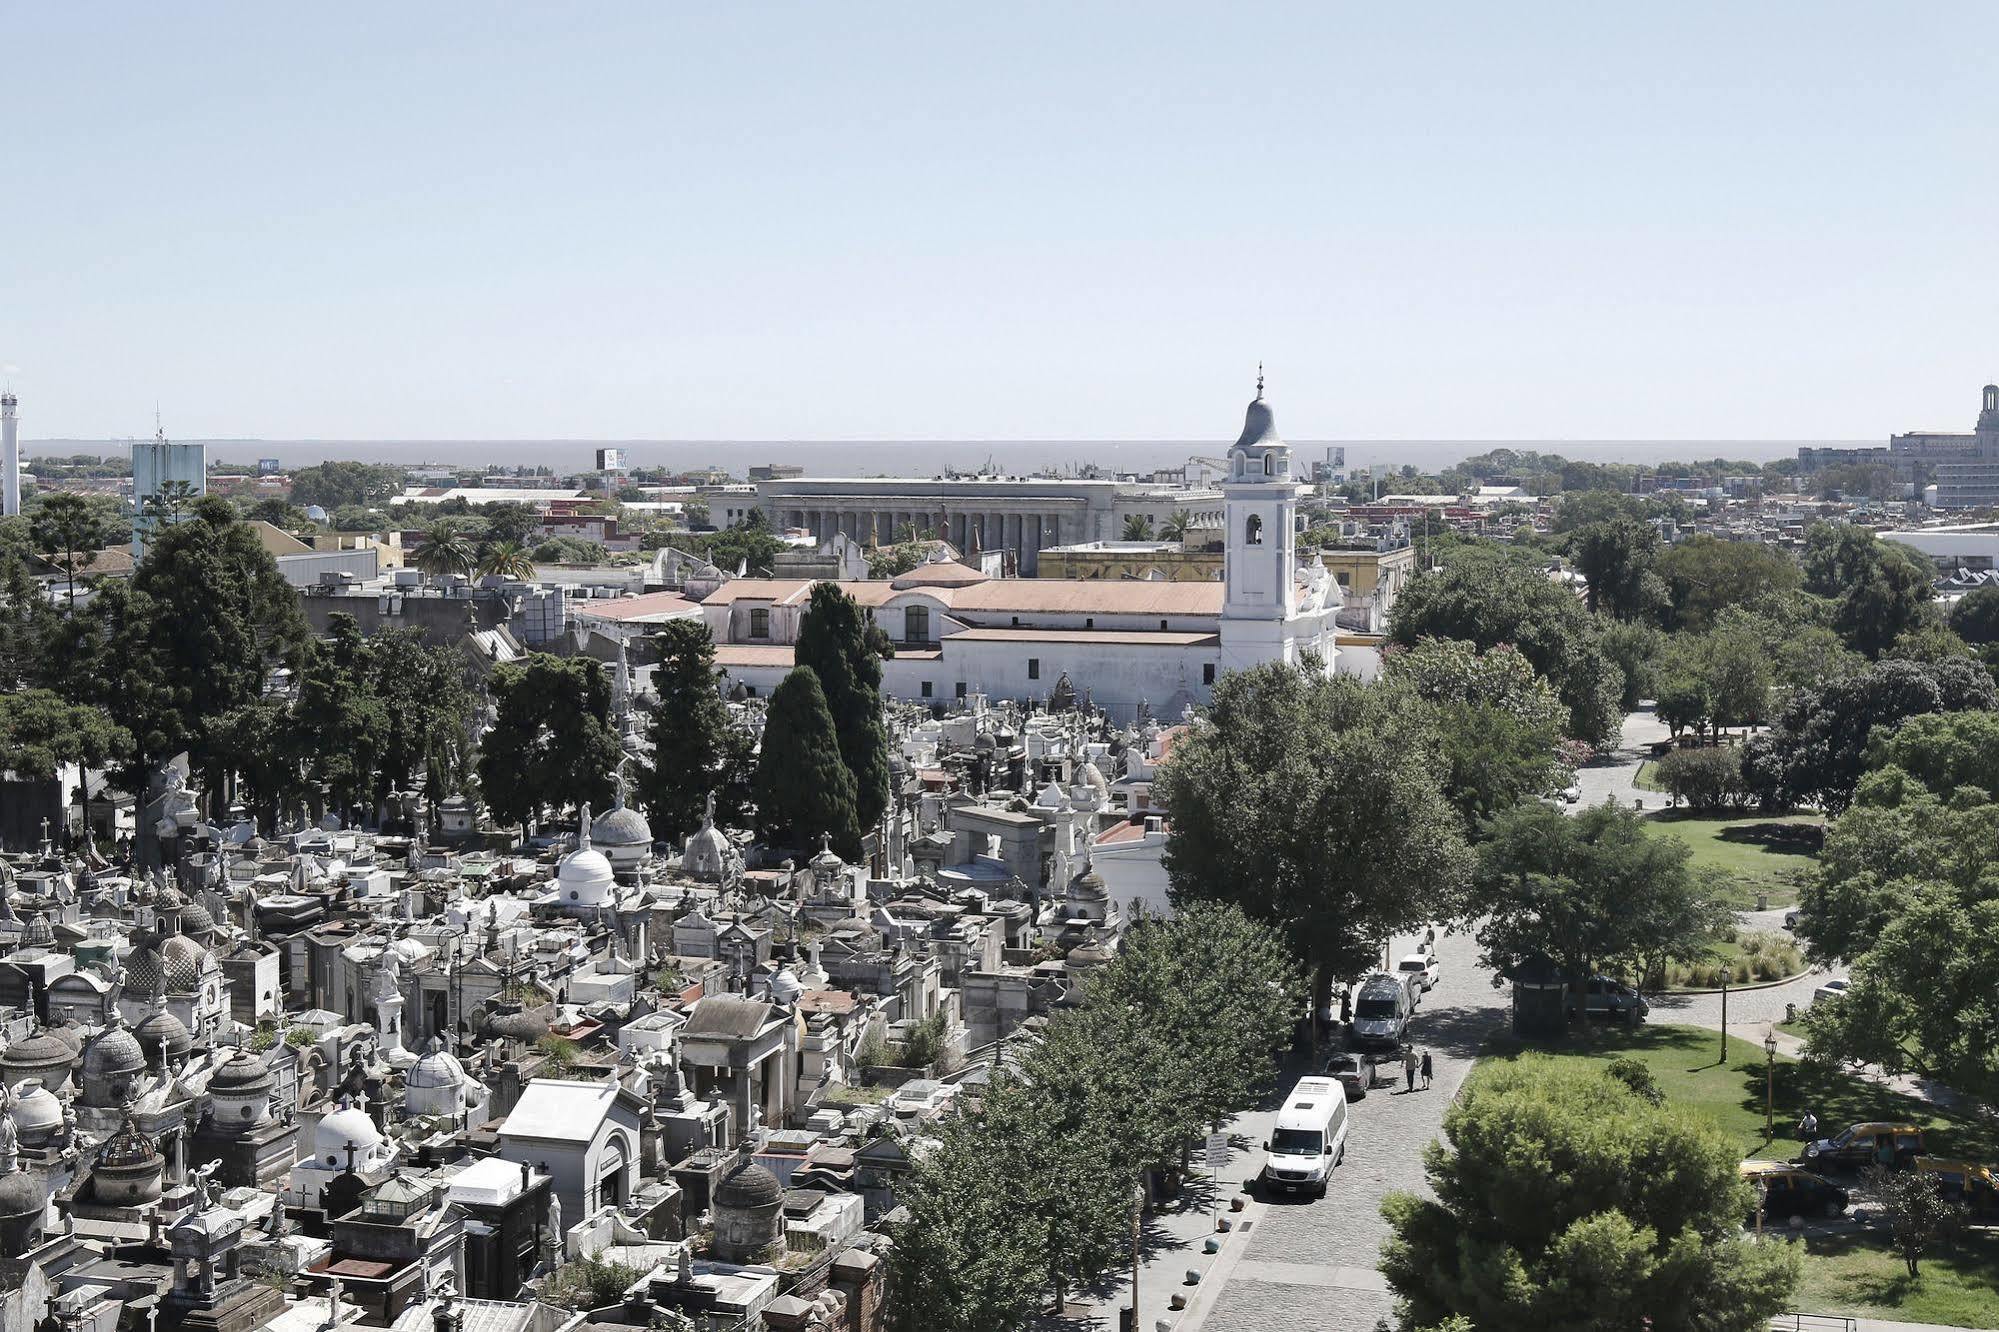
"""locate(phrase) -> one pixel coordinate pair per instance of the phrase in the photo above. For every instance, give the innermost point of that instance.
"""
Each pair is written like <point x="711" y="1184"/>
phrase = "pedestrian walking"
<point x="1346" y="1006"/>
<point x="1409" y="1066"/>
<point x="1808" y="1127"/>
<point x="1426" y="1070"/>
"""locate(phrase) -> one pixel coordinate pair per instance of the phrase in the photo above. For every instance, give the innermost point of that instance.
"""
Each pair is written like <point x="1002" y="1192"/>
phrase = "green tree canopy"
<point x="841" y="645"/>
<point x="551" y="744"/>
<point x="1705" y="575"/>
<point x="1581" y="507"/>
<point x="1496" y="722"/>
<point x="40" y="731"/>
<point x="803" y="789"/>
<point x="333" y="484"/>
<point x="1881" y="589"/>
<point x="1943" y="751"/>
<point x="1489" y="600"/>
<point x="1975" y="617"/>
<point x="70" y="530"/>
<point x="1592" y="892"/>
<point x="695" y="752"/>
<point x="1815" y="751"/>
<point x="1615" y="558"/>
<point x="1316" y="804"/>
<point x="1565" y="1200"/>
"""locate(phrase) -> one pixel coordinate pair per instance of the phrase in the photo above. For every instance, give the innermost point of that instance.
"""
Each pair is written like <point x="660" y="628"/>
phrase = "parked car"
<point x="1790" y="1191"/>
<point x="1607" y="998"/>
<point x="1353" y="1072"/>
<point x="1832" y="989"/>
<point x="1791" y="919"/>
<point x="1381" y="1013"/>
<point x="1571" y="794"/>
<point x="1309" y="1140"/>
<point x="1974" y="1185"/>
<point x="1421" y="969"/>
<point x="1894" y="1145"/>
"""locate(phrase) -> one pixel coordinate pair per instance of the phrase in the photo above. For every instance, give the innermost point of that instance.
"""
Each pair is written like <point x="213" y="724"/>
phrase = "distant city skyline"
<point x="1042" y="222"/>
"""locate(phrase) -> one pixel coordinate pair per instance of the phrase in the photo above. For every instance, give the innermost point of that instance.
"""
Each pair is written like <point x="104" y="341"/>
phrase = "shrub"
<point x="1707" y="778"/>
<point x="1637" y="1077"/>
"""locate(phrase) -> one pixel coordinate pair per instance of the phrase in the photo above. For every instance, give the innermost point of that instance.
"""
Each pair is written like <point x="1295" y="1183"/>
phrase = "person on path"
<point x="1808" y="1127"/>
<point x="1426" y="1070"/>
<point x="1409" y="1066"/>
<point x="1346" y="1006"/>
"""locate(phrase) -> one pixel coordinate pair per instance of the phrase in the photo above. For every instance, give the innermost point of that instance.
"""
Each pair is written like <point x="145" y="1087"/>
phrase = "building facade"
<point x="1972" y="481"/>
<point x="1021" y="516"/>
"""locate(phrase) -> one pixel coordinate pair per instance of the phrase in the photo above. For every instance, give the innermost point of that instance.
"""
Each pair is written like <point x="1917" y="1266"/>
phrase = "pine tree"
<point x="837" y="642"/>
<point x="803" y="790"/>
<point x="693" y="750"/>
<point x="552" y="743"/>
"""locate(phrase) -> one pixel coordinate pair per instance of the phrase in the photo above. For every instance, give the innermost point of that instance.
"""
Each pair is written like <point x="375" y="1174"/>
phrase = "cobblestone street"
<point x="1310" y="1266"/>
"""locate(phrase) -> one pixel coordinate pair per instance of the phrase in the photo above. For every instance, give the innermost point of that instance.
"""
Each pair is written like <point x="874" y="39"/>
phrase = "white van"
<point x="1310" y="1138"/>
<point x="1381" y="1014"/>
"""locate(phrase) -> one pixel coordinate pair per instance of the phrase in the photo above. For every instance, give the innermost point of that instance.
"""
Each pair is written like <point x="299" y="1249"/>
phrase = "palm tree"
<point x="506" y="559"/>
<point x="1176" y="525"/>
<point x="445" y="551"/>
<point x="1137" y="527"/>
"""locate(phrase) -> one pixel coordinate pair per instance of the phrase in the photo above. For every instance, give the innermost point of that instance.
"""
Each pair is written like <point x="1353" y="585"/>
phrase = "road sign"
<point x="1218" y="1150"/>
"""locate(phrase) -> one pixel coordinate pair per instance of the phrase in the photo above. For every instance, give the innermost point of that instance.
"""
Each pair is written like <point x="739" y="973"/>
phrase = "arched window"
<point x="1252" y="531"/>
<point x="1269" y="463"/>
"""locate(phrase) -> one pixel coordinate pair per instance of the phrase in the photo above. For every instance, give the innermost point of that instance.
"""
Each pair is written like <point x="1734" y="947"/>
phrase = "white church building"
<point x="958" y="632"/>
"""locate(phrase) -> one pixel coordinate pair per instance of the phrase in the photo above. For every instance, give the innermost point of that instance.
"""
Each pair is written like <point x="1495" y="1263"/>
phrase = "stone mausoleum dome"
<point x="585" y="877"/>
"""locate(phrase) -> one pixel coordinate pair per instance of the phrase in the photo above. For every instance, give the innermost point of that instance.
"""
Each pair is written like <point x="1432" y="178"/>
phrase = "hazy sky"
<point x="1068" y="220"/>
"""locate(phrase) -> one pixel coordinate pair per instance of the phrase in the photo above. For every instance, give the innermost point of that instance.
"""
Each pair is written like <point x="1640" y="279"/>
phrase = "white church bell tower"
<point x="1261" y="545"/>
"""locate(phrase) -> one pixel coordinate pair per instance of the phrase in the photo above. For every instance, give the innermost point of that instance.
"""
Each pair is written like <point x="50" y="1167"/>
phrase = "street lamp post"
<point x="1769" y="1084"/>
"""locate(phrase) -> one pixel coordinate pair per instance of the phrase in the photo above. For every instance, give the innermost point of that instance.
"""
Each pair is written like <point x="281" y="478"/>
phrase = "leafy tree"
<point x="1219" y="993"/>
<point x="336" y="725"/>
<point x="1137" y="527"/>
<point x="69" y="530"/>
<point x="426" y="712"/>
<point x="1488" y="600"/>
<point x="1177" y="525"/>
<point x="190" y="637"/>
<point x="749" y="545"/>
<point x="1566" y="1200"/>
<point x="1704" y="779"/>
<point x="333" y="484"/>
<point x="695" y="751"/>
<point x="278" y="512"/>
<point x="1882" y="589"/>
<point x="1928" y="641"/>
<point x="1904" y="893"/>
<point x="1683" y="699"/>
<point x="969" y="1257"/>
<point x="569" y="550"/>
<point x="1919" y="1215"/>
<point x="1705" y="575"/>
<point x="1496" y="721"/>
<point x="1315" y="804"/>
<point x="551" y="744"/>
<point x="1635" y="647"/>
<point x="1975" y="617"/>
<point x="264" y="754"/>
<point x="1815" y="751"/>
<point x="1594" y="891"/>
<point x="1943" y="751"/>
<point x="894" y="561"/>
<point x="506" y="559"/>
<point x="840" y="644"/>
<point x="803" y="790"/>
<point x="1615" y="559"/>
<point x="508" y="522"/>
<point x="1582" y="507"/>
<point x="27" y="627"/>
<point x="40" y="731"/>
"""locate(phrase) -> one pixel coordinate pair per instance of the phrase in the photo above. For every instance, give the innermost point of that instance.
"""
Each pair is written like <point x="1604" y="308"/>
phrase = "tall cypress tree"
<point x="693" y="751"/>
<point x="803" y="790"/>
<point x="836" y="640"/>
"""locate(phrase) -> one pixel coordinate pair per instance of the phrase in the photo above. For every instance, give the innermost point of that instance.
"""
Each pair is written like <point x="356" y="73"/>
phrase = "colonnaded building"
<point x="1021" y="516"/>
<point x="959" y="632"/>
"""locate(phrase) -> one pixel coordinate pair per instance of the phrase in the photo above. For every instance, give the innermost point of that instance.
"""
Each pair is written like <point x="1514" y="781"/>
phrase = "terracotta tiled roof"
<point x="652" y="604"/>
<point x="746" y="654"/>
<point x="1120" y="637"/>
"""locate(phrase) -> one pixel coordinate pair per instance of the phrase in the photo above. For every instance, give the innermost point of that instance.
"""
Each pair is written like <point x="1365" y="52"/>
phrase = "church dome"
<point x="128" y="1148"/>
<point x="162" y="1037"/>
<point x="585" y="878"/>
<point x="195" y="920"/>
<point x="749" y="1188"/>
<point x="44" y="1055"/>
<point x="37" y="1115"/>
<point x="21" y="1196"/>
<point x="114" y="1053"/>
<point x="345" y="1125"/>
<point x="621" y="826"/>
<point x="245" y="1074"/>
<point x="144" y="972"/>
<point x="183" y="960"/>
<point x="437" y="1068"/>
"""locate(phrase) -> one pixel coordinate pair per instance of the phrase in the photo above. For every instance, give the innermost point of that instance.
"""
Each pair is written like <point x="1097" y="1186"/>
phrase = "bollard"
<point x="1193" y="1277"/>
<point x="1211" y="1246"/>
<point x="1235" y="1203"/>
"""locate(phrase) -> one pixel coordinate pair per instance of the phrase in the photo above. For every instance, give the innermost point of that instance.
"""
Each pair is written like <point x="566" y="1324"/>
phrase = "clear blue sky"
<point x="1071" y="221"/>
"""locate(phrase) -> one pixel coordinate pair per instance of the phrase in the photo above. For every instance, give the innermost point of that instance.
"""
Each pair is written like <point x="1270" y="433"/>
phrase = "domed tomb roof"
<point x="749" y="1187"/>
<point x="195" y="920"/>
<point x="20" y="1195"/>
<point x="437" y="1068"/>
<point x="345" y="1125"/>
<point x="113" y="1052"/>
<point x="35" y="1110"/>
<point x="245" y="1074"/>
<point x="42" y="1055"/>
<point x="162" y="1036"/>
<point x="183" y="959"/>
<point x="621" y="827"/>
<point x="1088" y="884"/>
<point x="585" y="878"/>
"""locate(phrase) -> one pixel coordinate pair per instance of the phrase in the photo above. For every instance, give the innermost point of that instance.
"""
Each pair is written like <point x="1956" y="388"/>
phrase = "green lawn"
<point x="1855" y="1276"/>
<point x="1754" y="852"/>
<point x="1684" y="1061"/>
<point x="1647" y="777"/>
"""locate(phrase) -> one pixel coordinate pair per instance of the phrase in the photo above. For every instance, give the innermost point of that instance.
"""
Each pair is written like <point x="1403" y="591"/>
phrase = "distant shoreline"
<point x="927" y="457"/>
